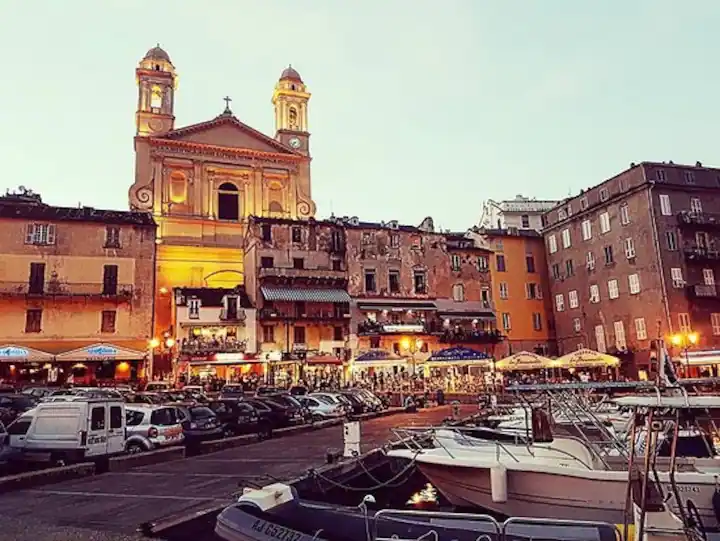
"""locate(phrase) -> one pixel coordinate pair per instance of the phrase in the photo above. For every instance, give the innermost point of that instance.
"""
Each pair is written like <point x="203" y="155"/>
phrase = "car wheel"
<point x="316" y="417"/>
<point x="134" y="449"/>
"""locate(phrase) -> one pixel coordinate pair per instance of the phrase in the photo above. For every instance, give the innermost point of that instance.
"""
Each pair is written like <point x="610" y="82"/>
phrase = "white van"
<point x="68" y="431"/>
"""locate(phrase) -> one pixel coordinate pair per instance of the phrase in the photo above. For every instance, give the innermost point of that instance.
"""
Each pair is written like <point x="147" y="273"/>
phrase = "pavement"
<point x="111" y="506"/>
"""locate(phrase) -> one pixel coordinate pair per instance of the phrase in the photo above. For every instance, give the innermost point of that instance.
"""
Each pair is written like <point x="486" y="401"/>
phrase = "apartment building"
<point x="635" y="258"/>
<point x="520" y="213"/>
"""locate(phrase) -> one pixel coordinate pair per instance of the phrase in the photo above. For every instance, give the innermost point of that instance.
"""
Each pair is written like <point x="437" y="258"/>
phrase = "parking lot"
<point x="120" y="502"/>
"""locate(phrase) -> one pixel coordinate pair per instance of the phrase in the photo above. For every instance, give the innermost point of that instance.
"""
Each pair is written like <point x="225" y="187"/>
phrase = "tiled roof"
<point x="20" y="209"/>
<point x="210" y="296"/>
<point x="288" y="294"/>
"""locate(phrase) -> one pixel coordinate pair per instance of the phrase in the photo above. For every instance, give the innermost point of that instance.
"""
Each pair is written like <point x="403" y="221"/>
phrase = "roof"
<point x="510" y="232"/>
<point x="157" y="53"/>
<point x="290" y="294"/>
<point x="291" y="74"/>
<point x="290" y="221"/>
<point x="210" y="296"/>
<point x="17" y="208"/>
<point x="220" y="120"/>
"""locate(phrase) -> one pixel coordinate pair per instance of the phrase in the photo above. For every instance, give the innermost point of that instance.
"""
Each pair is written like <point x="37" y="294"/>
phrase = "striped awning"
<point x="289" y="294"/>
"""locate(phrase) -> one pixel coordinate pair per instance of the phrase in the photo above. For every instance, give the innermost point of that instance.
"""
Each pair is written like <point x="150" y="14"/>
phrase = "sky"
<point x="419" y="107"/>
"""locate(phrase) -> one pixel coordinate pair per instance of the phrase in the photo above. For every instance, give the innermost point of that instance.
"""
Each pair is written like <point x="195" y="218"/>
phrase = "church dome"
<point x="292" y="74"/>
<point x="157" y="53"/>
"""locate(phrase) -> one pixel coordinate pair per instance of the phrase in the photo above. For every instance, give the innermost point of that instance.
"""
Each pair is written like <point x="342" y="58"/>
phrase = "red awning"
<point x="323" y="359"/>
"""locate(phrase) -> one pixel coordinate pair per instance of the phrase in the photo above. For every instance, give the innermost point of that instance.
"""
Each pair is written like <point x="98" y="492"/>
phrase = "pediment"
<point x="229" y="132"/>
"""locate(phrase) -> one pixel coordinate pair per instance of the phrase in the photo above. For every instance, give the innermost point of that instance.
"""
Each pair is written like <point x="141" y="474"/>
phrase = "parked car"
<point x="298" y="390"/>
<point x="264" y="391"/>
<point x="373" y="401"/>
<point x="13" y="405"/>
<point x="238" y="417"/>
<point x="145" y="398"/>
<point x="299" y="414"/>
<point x="321" y="409"/>
<point x="151" y="426"/>
<point x="68" y="431"/>
<point x="199" y="423"/>
<point x="232" y="390"/>
<point x="357" y="404"/>
<point x="37" y="392"/>
<point x="279" y="414"/>
<point x="155" y="386"/>
<point x="175" y="396"/>
<point x="334" y="398"/>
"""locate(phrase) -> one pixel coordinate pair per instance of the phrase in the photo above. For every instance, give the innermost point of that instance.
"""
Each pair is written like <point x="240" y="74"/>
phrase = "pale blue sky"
<point x="419" y="107"/>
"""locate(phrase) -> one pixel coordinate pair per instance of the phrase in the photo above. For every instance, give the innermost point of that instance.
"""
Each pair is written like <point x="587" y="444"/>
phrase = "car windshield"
<point x="287" y="400"/>
<point x="324" y="399"/>
<point x="232" y="389"/>
<point x="201" y="413"/>
<point x="258" y="405"/>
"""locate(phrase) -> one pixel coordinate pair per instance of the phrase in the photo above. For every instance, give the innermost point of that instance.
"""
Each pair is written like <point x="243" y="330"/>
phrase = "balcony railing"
<point x="699" y="218"/>
<point x="203" y="346"/>
<point x="702" y="253"/>
<point x="471" y="336"/>
<point x="703" y="290"/>
<point x="418" y="326"/>
<point x="269" y="313"/>
<point x="65" y="289"/>
<point x="283" y="272"/>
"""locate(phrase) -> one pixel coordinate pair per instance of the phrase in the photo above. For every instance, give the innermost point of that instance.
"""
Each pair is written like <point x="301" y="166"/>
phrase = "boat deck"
<point x="115" y="504"/>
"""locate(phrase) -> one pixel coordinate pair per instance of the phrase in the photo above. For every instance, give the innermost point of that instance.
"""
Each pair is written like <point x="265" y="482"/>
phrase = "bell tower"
<point x="156" y="81"/>
<point x="290" y="99"/>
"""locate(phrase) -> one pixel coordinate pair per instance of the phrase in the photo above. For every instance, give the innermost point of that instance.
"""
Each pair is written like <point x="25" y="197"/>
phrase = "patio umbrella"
<point x="523" y="360"/>
<point x="586" y="358"/>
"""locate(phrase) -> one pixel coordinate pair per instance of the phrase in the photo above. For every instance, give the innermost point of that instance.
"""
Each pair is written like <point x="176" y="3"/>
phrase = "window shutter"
<point x="30" y="234"/>
<point x="51" y="234"/>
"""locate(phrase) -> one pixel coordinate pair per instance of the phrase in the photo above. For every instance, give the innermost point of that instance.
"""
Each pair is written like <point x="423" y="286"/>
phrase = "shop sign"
<point x="101" y="353"/>
<point x="13" y="352"/>
<point x="403" y="328"/>
<point x="229" y="357"/>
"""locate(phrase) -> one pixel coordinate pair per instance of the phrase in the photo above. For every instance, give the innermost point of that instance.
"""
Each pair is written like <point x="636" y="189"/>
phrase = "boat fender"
<point x="716" y="504"/>
<point x="498" y="483"/>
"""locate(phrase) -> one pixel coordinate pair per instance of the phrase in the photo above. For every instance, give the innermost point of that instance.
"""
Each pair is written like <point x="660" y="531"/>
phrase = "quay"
<point x="113" y="505"/>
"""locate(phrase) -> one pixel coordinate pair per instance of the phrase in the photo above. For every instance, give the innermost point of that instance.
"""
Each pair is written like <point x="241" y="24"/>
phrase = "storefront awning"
<point x="288" y="294"/>
<point x="323" y="359"/>
<point x="585" y="358"/>
<point x="378" y="357"/>
<point x="101" y="352"/>
<point x="396" y="304"/>
<point x="524" y="360"/>
<point x="697" y="358"/>
<point x="18" y="354"/>
<point x="450" y="309"/>
<point x="459" y="355"/>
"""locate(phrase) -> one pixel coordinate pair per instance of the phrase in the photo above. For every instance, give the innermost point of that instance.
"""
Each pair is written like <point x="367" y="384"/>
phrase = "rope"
<point x="384" y="484"/>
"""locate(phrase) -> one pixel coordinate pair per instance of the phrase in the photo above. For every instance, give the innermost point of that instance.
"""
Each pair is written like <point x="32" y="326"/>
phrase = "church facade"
<point x="201" y="182"/>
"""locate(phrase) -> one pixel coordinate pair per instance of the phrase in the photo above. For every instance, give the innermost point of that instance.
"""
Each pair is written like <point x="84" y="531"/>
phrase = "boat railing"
<point x="410" y="437"/>
<point x="509" y="529"/>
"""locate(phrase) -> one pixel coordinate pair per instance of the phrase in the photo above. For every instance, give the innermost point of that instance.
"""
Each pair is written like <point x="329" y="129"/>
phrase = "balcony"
<point x="209" y="346"/>
<point x="319" y="315"/>
<point x="703" y="291"/>
<point x="462" y="336"/>
<point x="701" y="219"/>
<point x="283" y="272"/>
<point x="702" y="253"/>
<point x="409" y="326"/>
<point x="66" y="289"/>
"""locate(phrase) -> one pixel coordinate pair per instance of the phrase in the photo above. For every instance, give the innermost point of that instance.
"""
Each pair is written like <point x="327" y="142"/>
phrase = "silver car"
<point x="150" y="426"/>
<point x="321" y="409"/>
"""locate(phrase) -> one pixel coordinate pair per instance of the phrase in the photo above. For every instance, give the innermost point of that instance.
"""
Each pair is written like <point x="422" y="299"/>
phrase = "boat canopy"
<point x="676" y="402"/>
<point x="586" y="358"/>
<point x="524" y="360"/>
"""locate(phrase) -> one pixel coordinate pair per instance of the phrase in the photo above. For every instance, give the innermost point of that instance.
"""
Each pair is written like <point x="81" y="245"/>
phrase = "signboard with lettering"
<point x="403" y="328"/>
<point x="101" y="353"/>
<point x="13" y="352"/>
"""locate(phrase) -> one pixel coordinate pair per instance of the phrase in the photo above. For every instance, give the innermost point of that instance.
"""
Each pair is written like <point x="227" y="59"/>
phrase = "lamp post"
<point x="152" y="344"/>
<point x="684" y="341"/>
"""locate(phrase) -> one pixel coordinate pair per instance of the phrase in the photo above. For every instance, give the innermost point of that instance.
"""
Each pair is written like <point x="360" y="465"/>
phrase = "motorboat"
<point x="275" y="512"/>
<point x="561" y="477"/>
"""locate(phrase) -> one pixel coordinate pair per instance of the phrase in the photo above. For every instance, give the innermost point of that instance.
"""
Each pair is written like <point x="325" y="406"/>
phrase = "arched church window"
<point x="292" y="116"/>
<point x="228" y="202"/>
<point x="276" y="208"/>
<point x="156" y="97"/>
<point x="458" y="293"/>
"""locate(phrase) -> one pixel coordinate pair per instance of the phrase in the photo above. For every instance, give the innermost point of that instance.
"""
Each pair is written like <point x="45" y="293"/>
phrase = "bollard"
<point x="455" y="410"/>
<point x="351" y="438"/>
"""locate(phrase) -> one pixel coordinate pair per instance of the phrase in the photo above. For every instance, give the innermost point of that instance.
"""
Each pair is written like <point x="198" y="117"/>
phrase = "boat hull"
<point x="554" y="495"/>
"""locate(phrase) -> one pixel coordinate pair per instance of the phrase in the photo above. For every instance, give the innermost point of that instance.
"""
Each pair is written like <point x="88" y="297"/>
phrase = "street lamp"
<point x="685" y="340"/>
<point x="412" y="346"/>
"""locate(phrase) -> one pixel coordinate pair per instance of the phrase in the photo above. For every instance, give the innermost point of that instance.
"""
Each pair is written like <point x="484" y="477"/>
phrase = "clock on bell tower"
<point x="290" y="99"/>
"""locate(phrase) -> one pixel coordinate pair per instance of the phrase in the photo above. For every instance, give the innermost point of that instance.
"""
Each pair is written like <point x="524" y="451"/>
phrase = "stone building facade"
<point x="635" y="258"/>
<point x="201" y="182"/>
<point x="76" y="290"/>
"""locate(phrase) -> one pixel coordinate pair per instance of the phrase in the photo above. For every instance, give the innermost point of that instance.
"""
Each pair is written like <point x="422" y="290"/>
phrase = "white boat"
<point x="563" y="478"/>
